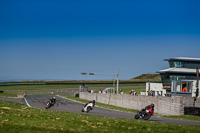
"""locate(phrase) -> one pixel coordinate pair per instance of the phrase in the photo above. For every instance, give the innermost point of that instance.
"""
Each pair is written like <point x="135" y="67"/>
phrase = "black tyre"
<point x="88" y="109"/>
<point x="137" y="116"/>
<point x="147" y="116"/>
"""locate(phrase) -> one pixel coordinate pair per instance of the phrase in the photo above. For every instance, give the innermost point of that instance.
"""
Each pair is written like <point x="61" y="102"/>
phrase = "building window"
<point x="171" y="64"/>
<point x="174" y="77"/>
<point x="182" y="86"/>
<point x="177" y="64"/>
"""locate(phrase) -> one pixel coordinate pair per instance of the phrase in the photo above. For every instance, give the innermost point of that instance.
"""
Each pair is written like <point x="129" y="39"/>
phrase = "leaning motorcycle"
<point x="25" y="94"/>
<point x="48" y="105"/>
<point x="144" y="114"/>
<point x="87" y="107"/>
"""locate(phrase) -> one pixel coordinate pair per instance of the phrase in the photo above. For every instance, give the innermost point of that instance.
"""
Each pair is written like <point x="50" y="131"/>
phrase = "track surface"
<point x="66" y="105"/>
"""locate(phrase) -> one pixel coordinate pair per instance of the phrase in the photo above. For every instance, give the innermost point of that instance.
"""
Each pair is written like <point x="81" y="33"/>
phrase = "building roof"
<point x="178" y="70"/>
<point x="183" y="59"/>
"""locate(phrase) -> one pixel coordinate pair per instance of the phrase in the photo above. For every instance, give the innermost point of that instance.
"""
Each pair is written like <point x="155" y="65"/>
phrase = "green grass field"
<point x="7" y="94"/>
<point x="37" y="87"/>
<point x="16" y="117"/>
<point x="44" y="87"/>
<point x="126" y="88"/>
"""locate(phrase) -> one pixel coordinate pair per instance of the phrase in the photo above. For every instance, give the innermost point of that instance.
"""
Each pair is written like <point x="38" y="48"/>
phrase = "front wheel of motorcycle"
<point x="147" y="116"/>
<point x="137" y="116"/>
<point x="88" y="109"/>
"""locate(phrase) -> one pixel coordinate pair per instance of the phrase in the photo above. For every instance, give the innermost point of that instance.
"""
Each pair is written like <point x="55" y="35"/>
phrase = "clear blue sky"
<point x="60" y="39"/>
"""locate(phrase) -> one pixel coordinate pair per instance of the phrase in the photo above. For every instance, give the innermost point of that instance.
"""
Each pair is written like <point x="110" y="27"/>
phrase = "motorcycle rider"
<point x="147" y="107"/>
<point x="53" y="100"/>
<point x="150" y="107"/>
<point x="93" y="101"/>
<point x="25" y="94"/>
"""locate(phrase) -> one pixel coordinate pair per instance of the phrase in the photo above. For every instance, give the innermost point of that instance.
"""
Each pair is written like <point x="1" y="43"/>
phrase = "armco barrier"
<point x="192" y="111"/>
<point x="163" y="105"/>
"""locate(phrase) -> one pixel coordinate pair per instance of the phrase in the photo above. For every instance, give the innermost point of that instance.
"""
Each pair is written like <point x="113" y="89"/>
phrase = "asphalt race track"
<point x="66" y="105"/>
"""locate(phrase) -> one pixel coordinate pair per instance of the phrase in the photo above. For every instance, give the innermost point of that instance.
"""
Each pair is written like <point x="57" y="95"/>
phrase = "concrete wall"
<point x="188" y="102"/>
<point x="163" y="105"/>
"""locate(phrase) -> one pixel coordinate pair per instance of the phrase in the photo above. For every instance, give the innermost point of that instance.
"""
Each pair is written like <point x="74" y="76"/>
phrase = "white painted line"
<point x="26" y="102"/>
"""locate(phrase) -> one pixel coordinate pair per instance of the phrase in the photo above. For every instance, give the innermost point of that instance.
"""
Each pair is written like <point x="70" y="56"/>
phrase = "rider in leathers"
<point x="93" y="101"/>
<point x="147" y="107"/>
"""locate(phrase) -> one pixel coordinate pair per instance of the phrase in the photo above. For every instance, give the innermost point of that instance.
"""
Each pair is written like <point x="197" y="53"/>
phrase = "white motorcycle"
<point x="87" y="107"/>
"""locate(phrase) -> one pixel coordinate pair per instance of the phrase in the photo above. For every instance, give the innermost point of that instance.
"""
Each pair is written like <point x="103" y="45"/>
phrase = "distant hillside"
<point x="146" y="77"/>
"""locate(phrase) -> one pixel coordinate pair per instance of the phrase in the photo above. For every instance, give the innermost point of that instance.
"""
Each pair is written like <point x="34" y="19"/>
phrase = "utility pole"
<point x="197" y="83"/>
<point x="148" y="88"/>
<point x="118" y="81"/>
<point x="114" y="81"/>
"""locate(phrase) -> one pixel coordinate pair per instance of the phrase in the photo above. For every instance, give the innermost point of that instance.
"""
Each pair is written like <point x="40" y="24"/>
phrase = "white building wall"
<point x="157" y="88"/>
<point x="194" y="88"/>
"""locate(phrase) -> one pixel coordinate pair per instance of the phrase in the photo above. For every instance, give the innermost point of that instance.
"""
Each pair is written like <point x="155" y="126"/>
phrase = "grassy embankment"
<point x="16" y="117"/>
<point x="147" y="77"/>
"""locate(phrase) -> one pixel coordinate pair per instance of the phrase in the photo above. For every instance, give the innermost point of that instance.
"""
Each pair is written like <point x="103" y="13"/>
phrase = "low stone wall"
<point x="188" y="102"/>
<point x="163" y="105"/>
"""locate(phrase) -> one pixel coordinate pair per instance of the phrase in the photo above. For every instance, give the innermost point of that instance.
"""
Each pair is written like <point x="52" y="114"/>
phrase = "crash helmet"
<point x="93" y="101"/>
<point x="152" y="105"/>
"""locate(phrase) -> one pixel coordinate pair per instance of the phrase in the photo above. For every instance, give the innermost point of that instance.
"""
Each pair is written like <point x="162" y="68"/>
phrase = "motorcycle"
<point x="144" y="114"/>
<point x="52" y="101"/>
<point x="25" y="94"/>
<point x="87" y="107"/>
<point x="48" y="105"/>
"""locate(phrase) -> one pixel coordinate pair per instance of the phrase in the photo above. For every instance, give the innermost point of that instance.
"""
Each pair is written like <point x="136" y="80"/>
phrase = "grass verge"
<point x="183" y="117"/>
<point x="16" y="117"/>
<point x="37" y="87"/>
<point x="7" y="94"/>
<point x="44" y="87"/>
